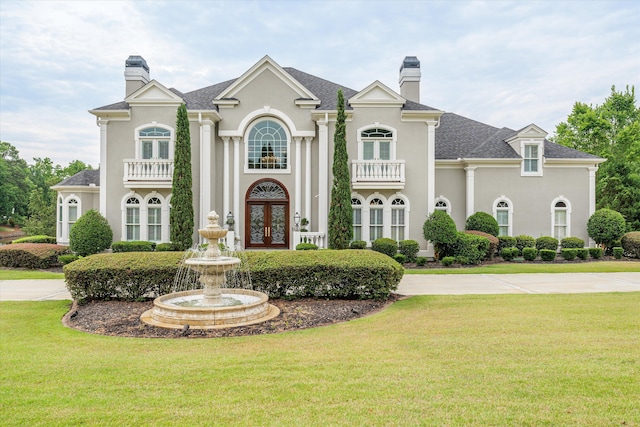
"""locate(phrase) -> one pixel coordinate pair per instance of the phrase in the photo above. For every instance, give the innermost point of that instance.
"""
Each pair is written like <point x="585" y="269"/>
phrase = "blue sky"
<point x="502" y="63"/>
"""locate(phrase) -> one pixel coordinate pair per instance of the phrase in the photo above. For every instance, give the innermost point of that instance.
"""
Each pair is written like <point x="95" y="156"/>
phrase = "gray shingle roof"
<point x="82" y="178"/>
<point x="456" y="137"/>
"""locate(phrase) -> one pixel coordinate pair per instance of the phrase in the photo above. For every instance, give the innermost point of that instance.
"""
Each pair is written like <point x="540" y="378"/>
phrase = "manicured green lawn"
<point x="515" y="268"/>
<point x="534" y="360"/>
<point x="8" y="274"/>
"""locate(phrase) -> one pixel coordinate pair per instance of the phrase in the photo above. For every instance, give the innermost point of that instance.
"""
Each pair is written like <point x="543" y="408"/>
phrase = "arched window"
<point x="72" y="215"/>
<point x="376" y="144"/>
<point x="398" y="219"/>
<point x="356" y="209"/>
<point x="154" y="143"/>
<point x="503" y="213"/>
<point x="376" y="219"/>
<point x="443" y="204"/>
<point x="132" y="218"/>
<point x="268" y="146"/>
<point x="154" y="219"/>
<point x="560" y="218"/>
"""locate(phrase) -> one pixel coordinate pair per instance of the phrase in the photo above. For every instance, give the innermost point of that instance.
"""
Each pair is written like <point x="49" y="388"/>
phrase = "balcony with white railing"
<point x="309" y="237"/>
<point x="148" y="173"/>
<point x="377" y="174"/>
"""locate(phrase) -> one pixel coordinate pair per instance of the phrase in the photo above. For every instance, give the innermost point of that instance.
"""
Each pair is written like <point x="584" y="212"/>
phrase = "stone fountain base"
<point x="255" y="308"/>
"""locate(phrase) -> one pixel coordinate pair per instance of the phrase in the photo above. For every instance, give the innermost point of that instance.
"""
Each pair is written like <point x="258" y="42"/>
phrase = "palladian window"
<point x="267" y="146"/>
<point x="154" y="143"/>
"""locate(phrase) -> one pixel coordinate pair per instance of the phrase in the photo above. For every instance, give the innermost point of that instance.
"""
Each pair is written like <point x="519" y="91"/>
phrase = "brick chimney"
<point x="136" y="73"/>
<point x="410" y="78"/>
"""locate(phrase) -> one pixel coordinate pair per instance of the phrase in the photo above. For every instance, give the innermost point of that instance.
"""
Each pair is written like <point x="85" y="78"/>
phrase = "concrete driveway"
<point x="411" y="284"/>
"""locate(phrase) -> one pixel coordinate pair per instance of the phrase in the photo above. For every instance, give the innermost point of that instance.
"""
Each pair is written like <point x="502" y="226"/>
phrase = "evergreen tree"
<point x="181" y="218"/>
<point x="340" y="212"/>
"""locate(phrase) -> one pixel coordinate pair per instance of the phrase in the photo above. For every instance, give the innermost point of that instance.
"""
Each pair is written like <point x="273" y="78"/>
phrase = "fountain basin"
<point x="255" y="308"/>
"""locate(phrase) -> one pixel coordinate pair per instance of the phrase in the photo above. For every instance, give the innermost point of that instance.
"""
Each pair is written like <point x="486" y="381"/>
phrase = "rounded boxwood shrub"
<point x="618" y="252"/>
<point x="90" y="234"/>
<point x="547" y="254"/>
<point x="547" y="242"/>
<point x="524" y="241"/>
<point x="596" y="253"/>
<point x="569" y="254"/>
<point x="386" y="246"/>
<point x="529" y="254"/>
<point x="508" y="254"/>
<point x="358" y="244"/>
<point x="306" y="247"/>
<point x="421" y="261"/>
<point x="506" y="242"/>
<point x="470" y="249"/>
<point x="493" y="242"/>
<point x="440" y="229"/>
<point x="482" y="221"/>
<point x="448" y="261"/>
<point x="631" y="244"/>
<point x="409" y="248"/>
<point x="572" y="242"/>
<point x="606" y="226"/>
<point x="583" y="253"/>
<point x="400" y="258"/>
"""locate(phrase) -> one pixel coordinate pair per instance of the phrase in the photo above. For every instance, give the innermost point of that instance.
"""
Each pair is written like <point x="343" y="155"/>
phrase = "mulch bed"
<point x="122" y="318"/>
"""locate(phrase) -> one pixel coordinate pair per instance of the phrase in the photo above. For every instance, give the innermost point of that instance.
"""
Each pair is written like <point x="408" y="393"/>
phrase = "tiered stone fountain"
<point x="213" y="306"/>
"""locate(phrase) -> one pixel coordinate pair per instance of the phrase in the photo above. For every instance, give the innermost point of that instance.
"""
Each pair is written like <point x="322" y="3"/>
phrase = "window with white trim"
<point x="561" y="218"/>
<point x="376" y="219"/>
<point x="442" y="204"/>
<point x="267" y="146"/>
<point x="356" y="209"/>
<point x="532" y="158"/>
<point x="376" y="144"/>
<point x="132" y="218"/>
<point x="397" y="219"/>
<point x="154" y="219"/>
<point x="72" y="213"/>
<point x="503" y="213"/>
<point x="155" y="143"/>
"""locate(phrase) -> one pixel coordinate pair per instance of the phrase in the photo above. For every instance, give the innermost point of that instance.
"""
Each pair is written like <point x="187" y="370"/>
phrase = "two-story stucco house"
<point x="262" y="147"/>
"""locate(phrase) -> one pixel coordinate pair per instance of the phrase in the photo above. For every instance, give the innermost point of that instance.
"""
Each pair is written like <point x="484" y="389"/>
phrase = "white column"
<point x="298" y="182"/>
<point x="323" y="174"/>
<point x="225" y="176"/>
<point x="205" y="170"/>
<point x="471" y="172"/>
<point x="431" y="165"/>
<point x="307" y="181"/>
<point x="103" y="166"/>
<point x="236" y="184"/>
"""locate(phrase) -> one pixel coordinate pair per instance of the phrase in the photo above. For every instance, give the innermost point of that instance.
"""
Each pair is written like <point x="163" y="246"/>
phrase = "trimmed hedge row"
<point x="353" y="274"/>
<point x="36" y="239"/>
<point x="31" y="255"/>
<point x="133" y="246"/>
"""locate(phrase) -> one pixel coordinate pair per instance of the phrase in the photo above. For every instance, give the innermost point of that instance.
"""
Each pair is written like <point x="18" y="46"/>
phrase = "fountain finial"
<point x="213" y="218"/>
<point x="212" y="232"/>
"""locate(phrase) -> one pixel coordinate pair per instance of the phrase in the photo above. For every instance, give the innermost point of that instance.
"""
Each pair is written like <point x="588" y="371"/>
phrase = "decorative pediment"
<point x="528" y="132"/>
<point x="376" y="95"/>
<point x="267" y="64"/>
<point x="153" y="93"/>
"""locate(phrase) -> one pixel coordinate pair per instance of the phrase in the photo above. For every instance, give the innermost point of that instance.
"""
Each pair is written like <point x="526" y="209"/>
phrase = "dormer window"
<point x="531" y="159"/>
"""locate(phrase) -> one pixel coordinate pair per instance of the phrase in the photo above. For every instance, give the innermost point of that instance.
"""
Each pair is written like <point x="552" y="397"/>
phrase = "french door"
<point x="267" y="216"/>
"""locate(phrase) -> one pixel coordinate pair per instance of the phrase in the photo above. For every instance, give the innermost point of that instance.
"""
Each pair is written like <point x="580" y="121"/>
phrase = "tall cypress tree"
<point x="181" y="218"/>
<point x="340" y="212"/>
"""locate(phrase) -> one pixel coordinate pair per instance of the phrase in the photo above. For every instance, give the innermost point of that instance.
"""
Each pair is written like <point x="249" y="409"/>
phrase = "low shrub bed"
<point x="353" y="274"/>
<point x="36" y="239"/>
<point x="547" y="254"/>
<point x="569" y="254"/>
<point x="31" y="255"/>
<point x="133" y="246"/>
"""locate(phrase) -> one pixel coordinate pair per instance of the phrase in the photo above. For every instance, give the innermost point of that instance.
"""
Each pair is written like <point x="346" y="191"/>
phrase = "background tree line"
<point x="26" y="198"/>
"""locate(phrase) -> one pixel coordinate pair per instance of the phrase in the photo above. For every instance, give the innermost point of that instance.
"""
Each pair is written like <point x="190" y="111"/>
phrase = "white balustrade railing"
<point x="148" y="170"/>
<point x="314" y="237"/>
<point x="389" y="171"/>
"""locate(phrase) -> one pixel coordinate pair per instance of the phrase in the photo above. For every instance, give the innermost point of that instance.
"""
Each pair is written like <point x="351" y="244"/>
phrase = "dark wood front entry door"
<point x="267" y="216"/>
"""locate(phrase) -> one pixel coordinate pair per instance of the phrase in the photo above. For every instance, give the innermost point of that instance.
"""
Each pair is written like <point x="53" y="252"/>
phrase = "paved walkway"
<point x="411" y="284"/>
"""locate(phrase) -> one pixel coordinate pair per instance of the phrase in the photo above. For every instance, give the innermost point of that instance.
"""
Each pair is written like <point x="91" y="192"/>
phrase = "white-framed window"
<point x="531" y="158"/>
<point x="356" y="209"/>
<point x="132" y="218"/>
<point x="560" y="218"/>
<point x="72" y="209"/>
<point x="442" y="204"/>
<point x="154" y="142"/>
<point x="398" y="219"/>
<point x="60" y="218"/>
<point x="503" y="213"/>
<point x="376" y="219"/>
<point x="267" y="145"/>
<point x="69" y="210"/>
<point x="154" y="219"/>
<point x="376" y="142"/>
